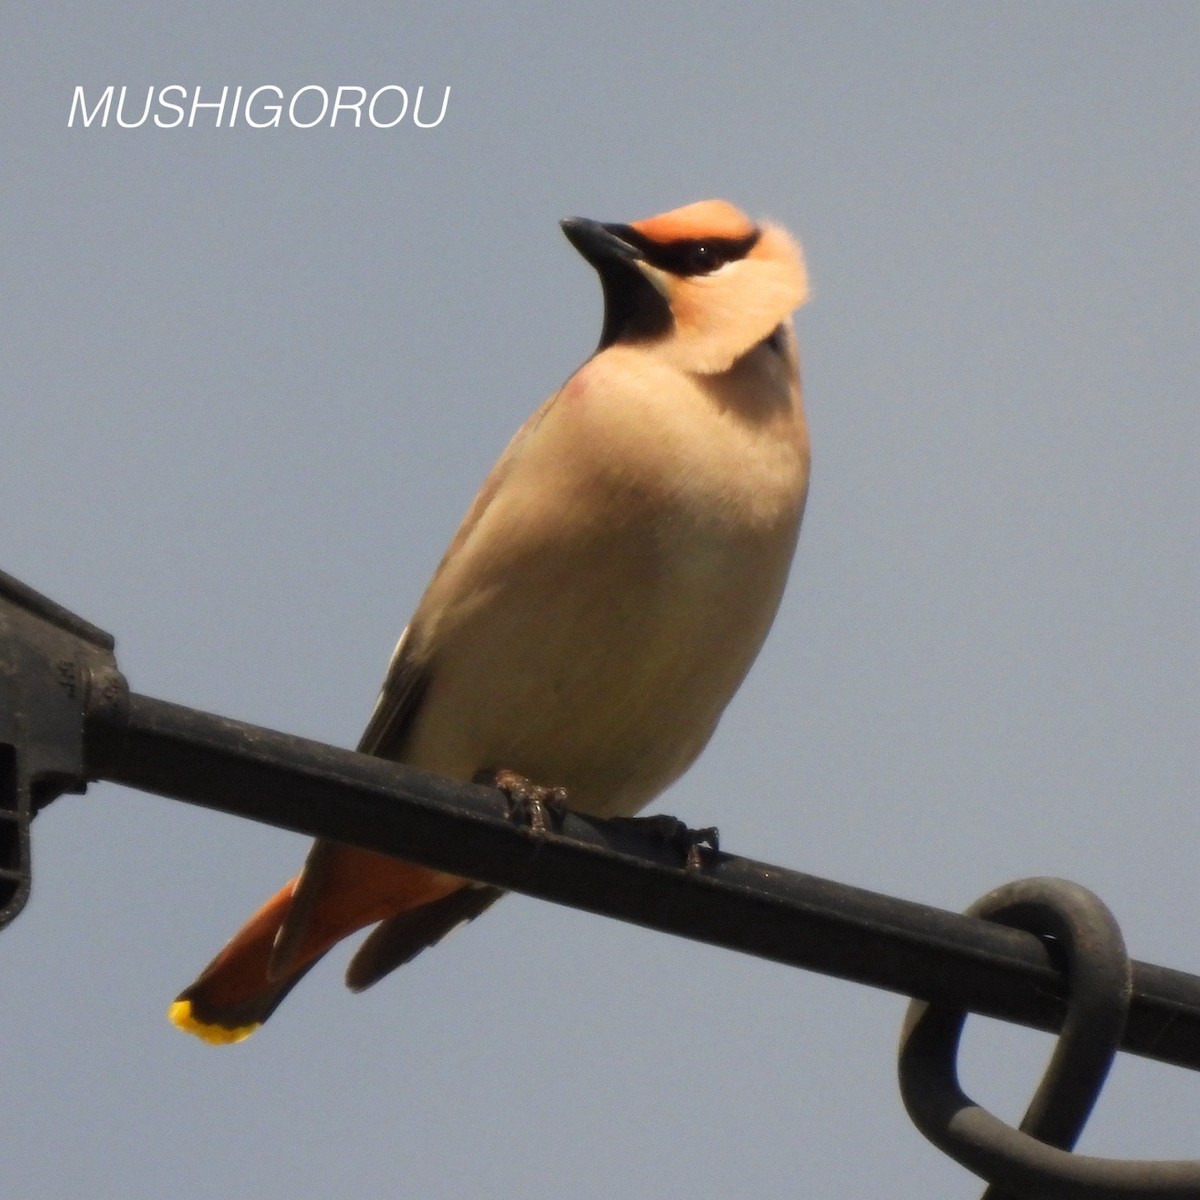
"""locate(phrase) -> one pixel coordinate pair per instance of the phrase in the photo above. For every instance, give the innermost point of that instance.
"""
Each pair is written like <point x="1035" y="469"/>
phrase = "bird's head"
<point x="703" y="283"/>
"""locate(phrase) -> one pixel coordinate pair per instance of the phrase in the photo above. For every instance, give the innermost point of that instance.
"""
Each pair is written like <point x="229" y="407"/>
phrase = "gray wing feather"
<point x="395" y="941"/>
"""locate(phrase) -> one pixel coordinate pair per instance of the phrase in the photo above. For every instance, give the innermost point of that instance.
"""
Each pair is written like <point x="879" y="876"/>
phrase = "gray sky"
<point x="253" y="378"/>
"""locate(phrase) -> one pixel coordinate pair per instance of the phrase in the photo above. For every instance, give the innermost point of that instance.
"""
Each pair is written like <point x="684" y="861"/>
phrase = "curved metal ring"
<point x="1035" y="1161"/>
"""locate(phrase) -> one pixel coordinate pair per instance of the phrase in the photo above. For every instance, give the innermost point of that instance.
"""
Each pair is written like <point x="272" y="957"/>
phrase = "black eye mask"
<point x="687" y="256"/>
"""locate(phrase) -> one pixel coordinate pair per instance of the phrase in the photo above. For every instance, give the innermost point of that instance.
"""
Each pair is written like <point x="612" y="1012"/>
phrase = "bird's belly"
<point x="603" y="670"/>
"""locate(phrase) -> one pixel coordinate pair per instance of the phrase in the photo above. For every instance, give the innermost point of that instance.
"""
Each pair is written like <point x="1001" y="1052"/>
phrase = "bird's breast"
<point x="613" y="594"/>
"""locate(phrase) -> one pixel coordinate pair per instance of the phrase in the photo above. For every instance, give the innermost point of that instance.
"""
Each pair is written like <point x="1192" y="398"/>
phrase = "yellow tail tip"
<point x="180" y="1014"/>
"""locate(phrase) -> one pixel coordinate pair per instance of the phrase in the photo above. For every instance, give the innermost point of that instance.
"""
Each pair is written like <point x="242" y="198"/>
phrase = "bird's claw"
<point x="674" y="833"/>
<point x="693" y="839"/>
<point x="540" y="809"/>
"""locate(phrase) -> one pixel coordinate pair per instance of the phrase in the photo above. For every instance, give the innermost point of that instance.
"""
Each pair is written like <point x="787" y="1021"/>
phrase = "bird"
<point x="601" y="602"/>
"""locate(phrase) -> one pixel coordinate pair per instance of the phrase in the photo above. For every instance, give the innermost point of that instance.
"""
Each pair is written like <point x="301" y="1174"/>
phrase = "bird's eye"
<point x="696" y="256"/>
<point x="702" y="258"/>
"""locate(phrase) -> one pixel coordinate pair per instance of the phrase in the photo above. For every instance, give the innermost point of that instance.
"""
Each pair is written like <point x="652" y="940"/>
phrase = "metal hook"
<point x="1035" y="1162"/>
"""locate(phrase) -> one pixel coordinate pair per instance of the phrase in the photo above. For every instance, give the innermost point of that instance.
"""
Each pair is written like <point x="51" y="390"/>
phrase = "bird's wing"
<point x="401" y="938"/>
<point x="399" y="699"/>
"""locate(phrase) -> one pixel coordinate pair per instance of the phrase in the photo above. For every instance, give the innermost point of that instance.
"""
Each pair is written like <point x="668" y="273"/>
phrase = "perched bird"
<point x="602" y="600"/>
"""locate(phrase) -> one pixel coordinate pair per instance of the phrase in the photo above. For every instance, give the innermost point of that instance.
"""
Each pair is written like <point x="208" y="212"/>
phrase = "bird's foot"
<point x="674" y="833"/>
<point x="540" y="808"/>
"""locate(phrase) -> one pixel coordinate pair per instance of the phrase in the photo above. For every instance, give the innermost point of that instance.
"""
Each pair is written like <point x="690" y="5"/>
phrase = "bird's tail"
<point x="235" y="993"/>
<point x="341" y="890"/>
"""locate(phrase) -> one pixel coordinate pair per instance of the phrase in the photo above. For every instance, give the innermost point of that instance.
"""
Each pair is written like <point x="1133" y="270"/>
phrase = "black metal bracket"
<point x="67" y="717"/>
<point x="55" y="668"/>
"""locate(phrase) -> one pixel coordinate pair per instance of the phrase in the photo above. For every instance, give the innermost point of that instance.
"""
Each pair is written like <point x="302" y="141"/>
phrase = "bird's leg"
<point x="531" y="804"/>
<point x="674" y="833"/>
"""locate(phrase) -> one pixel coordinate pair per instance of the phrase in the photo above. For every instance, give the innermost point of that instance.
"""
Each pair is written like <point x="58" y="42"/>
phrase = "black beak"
<point x="599" y="243"/>
<point x="633" y="308"/>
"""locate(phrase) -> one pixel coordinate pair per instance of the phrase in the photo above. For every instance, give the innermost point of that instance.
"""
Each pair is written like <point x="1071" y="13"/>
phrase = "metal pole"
<point x="617" y="871"/>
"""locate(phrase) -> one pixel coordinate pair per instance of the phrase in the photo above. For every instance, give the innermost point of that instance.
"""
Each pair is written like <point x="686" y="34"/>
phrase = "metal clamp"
<point x="42" y="727"/>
